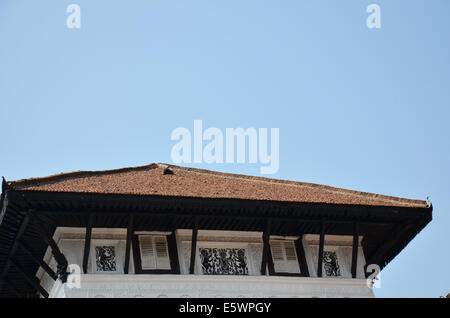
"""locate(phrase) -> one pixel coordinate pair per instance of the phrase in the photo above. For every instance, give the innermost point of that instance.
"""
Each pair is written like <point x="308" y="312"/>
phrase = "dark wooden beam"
<point x="15" y="245"/>
<point x="87" y="242"/>
<point x="128" y="244"/>
<point x="301" y="257"/>
<point x="343" y="220"/>
<point x="39" y="261"/>
<point x="59" y="257"/>
<point x="193" y="246"/>
<point x="355" y="249"/>
<point x="173" y="252"/>
<point x="31" y="280"/>
<point x="266" y="246"/>
<point x="159" y="201"/>
<point x="12" y="287"/>
<point x="396" y="233"/>
<point x="321" y="244"/>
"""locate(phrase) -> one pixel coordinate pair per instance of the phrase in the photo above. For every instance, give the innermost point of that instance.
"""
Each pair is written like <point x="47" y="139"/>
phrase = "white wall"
<point x="190" y="286"/>
<point x="71" y="243"/>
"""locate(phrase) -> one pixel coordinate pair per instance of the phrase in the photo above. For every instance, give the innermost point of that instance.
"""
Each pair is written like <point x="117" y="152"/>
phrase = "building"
<point x="168" y="231"/>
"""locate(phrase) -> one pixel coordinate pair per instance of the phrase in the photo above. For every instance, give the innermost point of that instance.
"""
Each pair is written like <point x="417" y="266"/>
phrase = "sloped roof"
<point x="189" y="182"/>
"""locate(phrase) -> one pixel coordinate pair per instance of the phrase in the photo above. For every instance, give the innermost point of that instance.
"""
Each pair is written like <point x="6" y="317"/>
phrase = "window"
<point x="155" y="254"/>
<point x="223" y="261"/>
<point x="284" y="257"/>
<point x="337" y="255"/>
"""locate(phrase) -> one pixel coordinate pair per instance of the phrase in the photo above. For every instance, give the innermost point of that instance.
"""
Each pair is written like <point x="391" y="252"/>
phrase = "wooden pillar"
<point x="355" y="248"/>
<point x="193" y="246"/>
<point x="128" y="244"/>
<point x="321" y="244"/>
<point x="173" y="252"/>
<point x="266" y="246"/>
<point x="301" y="257"/>
<point x="87" y="242"/>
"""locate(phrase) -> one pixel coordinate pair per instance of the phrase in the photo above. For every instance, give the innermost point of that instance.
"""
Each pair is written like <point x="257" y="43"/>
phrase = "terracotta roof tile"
<point x="190" y="182"/>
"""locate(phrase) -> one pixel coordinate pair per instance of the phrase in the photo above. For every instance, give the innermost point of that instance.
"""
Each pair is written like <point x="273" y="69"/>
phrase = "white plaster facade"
<point x="191" y="286"/>
<point x="117" y="284"/>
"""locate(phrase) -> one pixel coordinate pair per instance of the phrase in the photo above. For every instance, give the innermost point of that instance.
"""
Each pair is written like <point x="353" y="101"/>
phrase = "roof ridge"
<point x="79" y="173"/>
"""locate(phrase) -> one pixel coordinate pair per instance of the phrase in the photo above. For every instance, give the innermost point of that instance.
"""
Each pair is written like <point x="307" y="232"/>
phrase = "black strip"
<point x="301" y="257"/>
<point x="266" y="248"/>
<point x="87" y="243"/>
<point x="173" y="253"/>
<point x="136" y="254"/>
<point x="355" y="249"/>
<point x="193" y="246"/>
<point x="321" y="244"/>
<point x="128" y="244"/>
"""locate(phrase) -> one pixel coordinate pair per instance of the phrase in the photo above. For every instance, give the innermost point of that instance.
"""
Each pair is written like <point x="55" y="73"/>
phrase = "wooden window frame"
<point x="173" y="256"/>
<point x="300" y="258"/>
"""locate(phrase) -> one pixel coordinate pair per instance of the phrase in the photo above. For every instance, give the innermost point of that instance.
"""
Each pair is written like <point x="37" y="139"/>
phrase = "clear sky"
<point x="359" y="108"/>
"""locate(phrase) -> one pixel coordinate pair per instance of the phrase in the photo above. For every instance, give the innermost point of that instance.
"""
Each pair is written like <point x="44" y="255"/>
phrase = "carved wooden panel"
<point x="223" y="261"/>
<point x="331" y="264"/>
<point x="105" y="258"/>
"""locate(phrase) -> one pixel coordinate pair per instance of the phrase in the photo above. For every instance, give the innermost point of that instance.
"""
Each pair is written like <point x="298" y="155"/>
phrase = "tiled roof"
<point x="169" y="180"/>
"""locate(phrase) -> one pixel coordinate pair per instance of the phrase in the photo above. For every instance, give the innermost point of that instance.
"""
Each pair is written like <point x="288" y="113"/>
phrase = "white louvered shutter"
<point x="278" y="256"/>
<point x="284" y="257"/>
<point x="162" y="252"/>
<point x="154" y="252"/>
<point x="148" y="259"/>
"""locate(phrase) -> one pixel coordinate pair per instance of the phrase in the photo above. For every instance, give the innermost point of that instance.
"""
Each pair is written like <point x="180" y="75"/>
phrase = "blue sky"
<point x="359" y="108"/>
